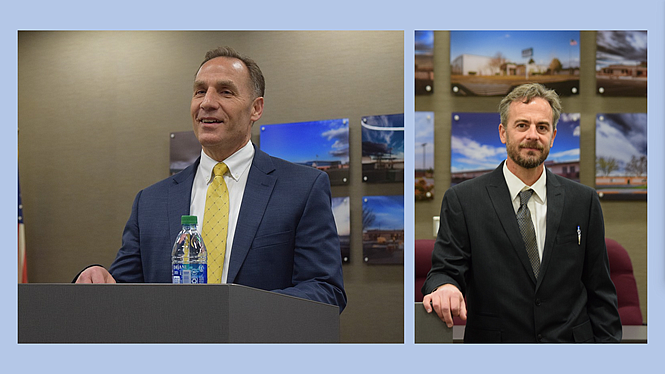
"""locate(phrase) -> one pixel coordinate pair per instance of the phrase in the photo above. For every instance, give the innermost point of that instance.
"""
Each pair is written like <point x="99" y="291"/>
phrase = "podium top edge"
<point x="167" y="285"/>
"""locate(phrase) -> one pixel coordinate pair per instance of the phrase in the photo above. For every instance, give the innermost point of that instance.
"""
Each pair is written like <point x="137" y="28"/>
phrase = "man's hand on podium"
<point x="95" y="274"/>
<point x="447" y="301"/>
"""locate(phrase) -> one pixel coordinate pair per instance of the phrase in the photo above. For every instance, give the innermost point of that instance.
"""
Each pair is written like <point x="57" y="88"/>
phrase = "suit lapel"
<point x="180" y="192"/>
<point x="555" y="200"/>
<point x="503" y="206"/>
<point x="260" y="184"/>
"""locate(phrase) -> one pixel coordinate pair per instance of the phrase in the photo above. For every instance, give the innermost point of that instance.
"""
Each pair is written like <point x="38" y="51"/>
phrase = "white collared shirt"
<point x="537" y="203"/>
<point x="236" y="180"/>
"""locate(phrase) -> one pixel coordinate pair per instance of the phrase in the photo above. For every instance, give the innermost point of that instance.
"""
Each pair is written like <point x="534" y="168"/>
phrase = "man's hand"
<point x="447" y="301"/>
<point x="95" y="274"/>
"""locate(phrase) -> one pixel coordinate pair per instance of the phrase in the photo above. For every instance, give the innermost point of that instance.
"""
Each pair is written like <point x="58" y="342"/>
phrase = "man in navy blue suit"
<point x="281" y="234"/>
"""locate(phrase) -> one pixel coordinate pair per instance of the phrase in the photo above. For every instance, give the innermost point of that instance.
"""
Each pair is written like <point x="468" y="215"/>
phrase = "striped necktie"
<point x="216" y="223"/>
<point x="528" y="232"/>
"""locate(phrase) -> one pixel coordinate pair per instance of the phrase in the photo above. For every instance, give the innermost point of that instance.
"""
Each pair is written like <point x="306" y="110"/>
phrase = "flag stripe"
<point x="22" y="270"/>
<point x="22" y="264"/>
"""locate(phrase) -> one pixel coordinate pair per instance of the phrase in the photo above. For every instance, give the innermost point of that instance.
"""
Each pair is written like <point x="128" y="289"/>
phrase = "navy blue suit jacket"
<point x="285" y="241"/>
<point x="480" y="250"/>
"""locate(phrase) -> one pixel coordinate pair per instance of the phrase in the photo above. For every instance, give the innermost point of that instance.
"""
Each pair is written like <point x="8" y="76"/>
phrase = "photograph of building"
<point x="323" y="145"/>
<point x="621" y="63"/>
<point x="492" y="63"/>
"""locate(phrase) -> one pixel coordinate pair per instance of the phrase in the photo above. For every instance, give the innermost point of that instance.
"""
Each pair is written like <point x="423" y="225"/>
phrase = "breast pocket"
<point x="280" y="238"/>
<point x="568" y="254"/>
<point x="569" y="238"/>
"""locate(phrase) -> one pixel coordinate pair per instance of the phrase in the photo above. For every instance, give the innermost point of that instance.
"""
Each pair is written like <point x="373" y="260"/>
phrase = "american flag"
<point x="573" y="42"/>
<point x="22" y="268"/>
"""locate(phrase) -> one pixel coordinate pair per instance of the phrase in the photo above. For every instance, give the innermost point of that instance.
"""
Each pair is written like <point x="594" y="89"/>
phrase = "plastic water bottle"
<point x="189" y="258"/>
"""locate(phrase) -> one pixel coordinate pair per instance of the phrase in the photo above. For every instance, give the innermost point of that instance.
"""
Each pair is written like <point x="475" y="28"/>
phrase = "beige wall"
<point x="96" y="110"/>
<point x="625" y="221"/>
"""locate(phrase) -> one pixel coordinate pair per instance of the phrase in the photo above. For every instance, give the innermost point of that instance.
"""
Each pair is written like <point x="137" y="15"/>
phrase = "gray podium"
<point x="169" y="313"/>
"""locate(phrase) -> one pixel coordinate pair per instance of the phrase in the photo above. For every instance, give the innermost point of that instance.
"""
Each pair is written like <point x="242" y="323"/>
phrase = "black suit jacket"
<point x="480" y="250"/>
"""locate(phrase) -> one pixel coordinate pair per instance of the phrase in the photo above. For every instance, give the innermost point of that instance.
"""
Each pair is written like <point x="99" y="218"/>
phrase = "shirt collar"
<point x="238" y="163"/>
<point x="515" y="185"/>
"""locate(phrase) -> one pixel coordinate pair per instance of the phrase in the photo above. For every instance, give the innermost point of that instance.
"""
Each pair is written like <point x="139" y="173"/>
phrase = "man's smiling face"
<point x="224" y="107"/>
<point x="529" y="133"/>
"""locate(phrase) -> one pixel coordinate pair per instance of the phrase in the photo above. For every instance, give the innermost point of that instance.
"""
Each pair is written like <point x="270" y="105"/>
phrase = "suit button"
<point x="539" y="337"/>
<point x="538" y="302"/>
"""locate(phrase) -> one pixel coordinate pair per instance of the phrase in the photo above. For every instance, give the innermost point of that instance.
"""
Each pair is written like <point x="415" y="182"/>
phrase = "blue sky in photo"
<point x="424" y="122"/>
<point x="476" y="145"/>
<point x="546" y="45"/>
<point x="621" y="136"/>
<point x="424" y="41"/>
<point x="566" y="146"/>
<point x="388" y="210"/>
<point x="620" y="47"/>
<point x="326" y="140"/>
<point x="372" y="131"/>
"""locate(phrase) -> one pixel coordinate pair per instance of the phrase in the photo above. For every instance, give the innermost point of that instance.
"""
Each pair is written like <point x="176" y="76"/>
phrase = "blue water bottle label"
<point x="186" y="276"/>
<point x="177" y="273"/>
<point x="190" y="273"/>
<point x="199" y="273"/>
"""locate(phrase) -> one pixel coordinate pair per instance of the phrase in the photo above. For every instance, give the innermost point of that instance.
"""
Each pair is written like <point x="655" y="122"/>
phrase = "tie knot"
<point x="525" y="196"/>
<point x="220" y="169"/>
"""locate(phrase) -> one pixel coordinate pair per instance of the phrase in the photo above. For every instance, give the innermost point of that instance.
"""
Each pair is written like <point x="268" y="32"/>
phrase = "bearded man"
<point x="520" y="253"/>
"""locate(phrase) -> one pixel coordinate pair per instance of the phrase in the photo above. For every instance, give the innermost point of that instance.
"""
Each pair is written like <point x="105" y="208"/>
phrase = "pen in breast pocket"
<point x="579" y="235"/>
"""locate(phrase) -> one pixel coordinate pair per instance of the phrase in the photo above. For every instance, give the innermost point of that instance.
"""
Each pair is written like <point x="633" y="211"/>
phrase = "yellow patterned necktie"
<point x="216" y="222"/>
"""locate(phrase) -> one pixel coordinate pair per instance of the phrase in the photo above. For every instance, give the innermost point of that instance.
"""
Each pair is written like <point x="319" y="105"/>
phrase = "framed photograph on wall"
<point x="383" y="148"/>
<point x="184" y="149"/>
<point x="621" y="63"/>
<point x="383" y="229"/>
<point x="424" y="60"/>
<point x="323" y="145"/>
<point x="492" y="63"/>
<point x="621" y="155"/>
<point x="342" y="213"/>
<point x="424" y="157"/>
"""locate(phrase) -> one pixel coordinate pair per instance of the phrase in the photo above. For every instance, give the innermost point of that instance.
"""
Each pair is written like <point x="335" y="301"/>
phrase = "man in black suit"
<point x="524" y="248"/>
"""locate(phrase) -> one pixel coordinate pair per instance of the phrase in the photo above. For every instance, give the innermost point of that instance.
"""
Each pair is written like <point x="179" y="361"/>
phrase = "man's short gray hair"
<point x="527" y="92"/>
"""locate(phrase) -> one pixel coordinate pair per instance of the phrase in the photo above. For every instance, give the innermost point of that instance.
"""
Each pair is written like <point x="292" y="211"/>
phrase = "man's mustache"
<point x="535" y="145"/>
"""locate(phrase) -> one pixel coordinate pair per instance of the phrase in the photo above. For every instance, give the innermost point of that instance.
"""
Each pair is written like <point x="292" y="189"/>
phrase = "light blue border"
<point x="342" y="14"/>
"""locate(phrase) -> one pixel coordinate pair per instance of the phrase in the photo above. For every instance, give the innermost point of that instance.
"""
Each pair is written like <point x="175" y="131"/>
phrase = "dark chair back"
<point x="621" y="272"/>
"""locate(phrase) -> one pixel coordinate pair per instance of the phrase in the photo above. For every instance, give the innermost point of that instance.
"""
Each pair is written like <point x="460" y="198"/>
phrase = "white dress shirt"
<point x="537" y="203"/>
<point x="236" y="180"/>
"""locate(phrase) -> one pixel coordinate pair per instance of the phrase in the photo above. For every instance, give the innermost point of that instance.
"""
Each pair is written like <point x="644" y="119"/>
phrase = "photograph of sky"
<point x="320" y="144"/>
<point x="475" y="143"/>
<point x="306" y="142"/>
<point x="622" y="137"/>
